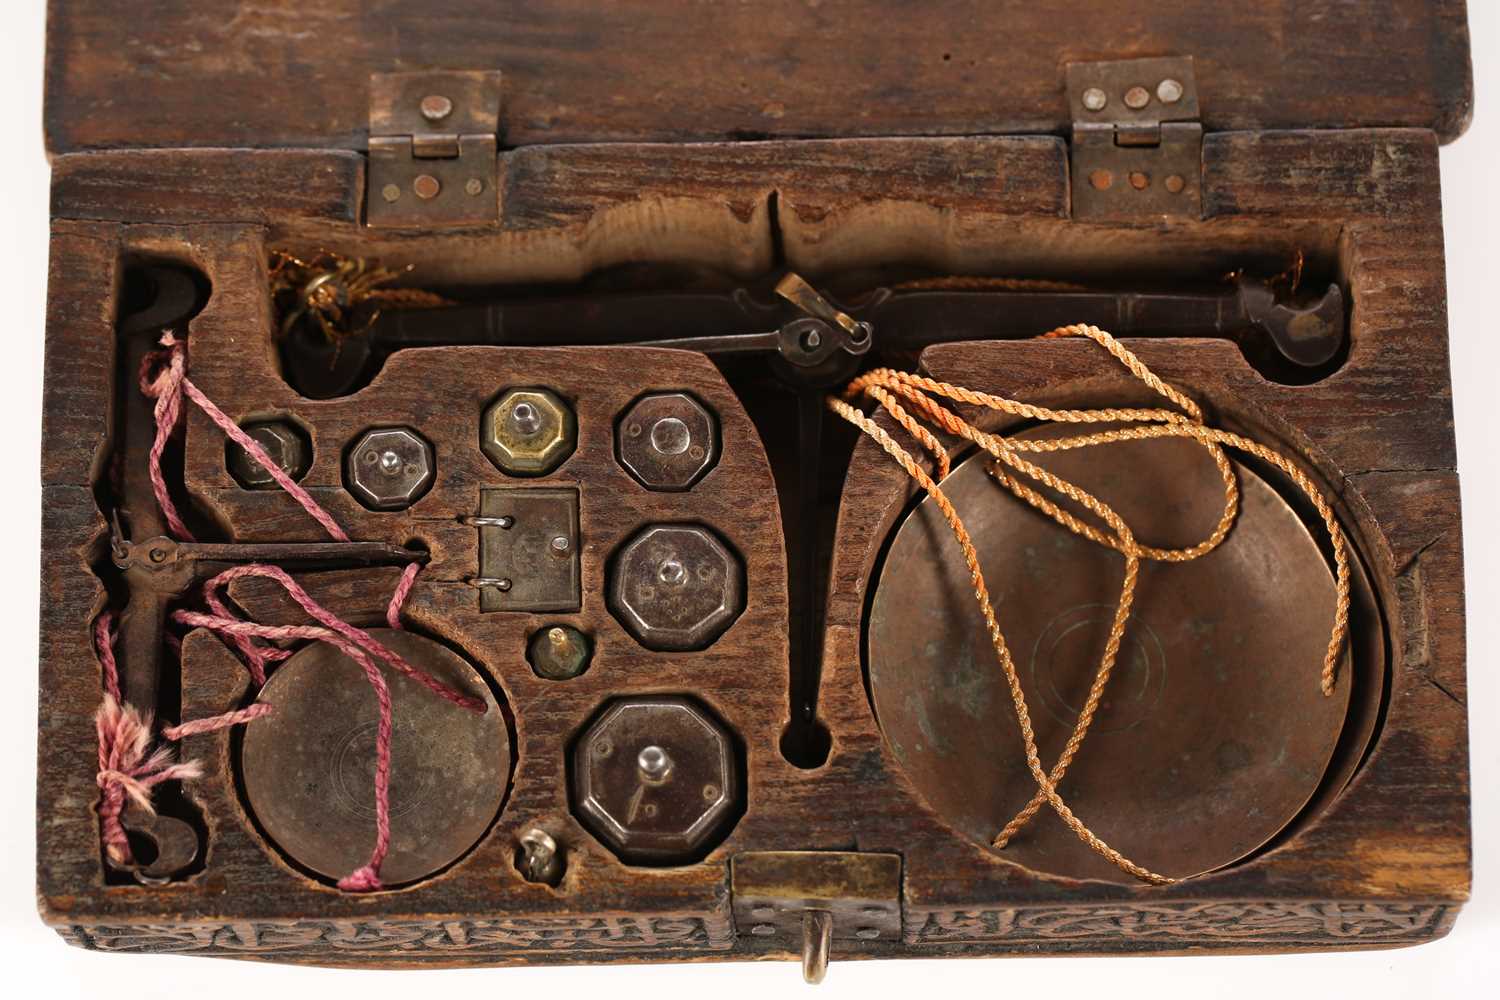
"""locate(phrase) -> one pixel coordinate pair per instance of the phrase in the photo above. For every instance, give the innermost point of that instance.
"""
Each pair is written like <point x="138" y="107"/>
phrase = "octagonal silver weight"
<point x="656" y="778"/>
<point x="667" y="441"/>
<point x="389" y="468"/>
<point x="676" y="587"/>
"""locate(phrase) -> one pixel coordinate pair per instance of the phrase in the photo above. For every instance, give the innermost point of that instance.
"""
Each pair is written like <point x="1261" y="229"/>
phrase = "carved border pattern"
<point x="1183" y="924"/>
<point x="333" y="940"/>
<point x="1109" y="928"/>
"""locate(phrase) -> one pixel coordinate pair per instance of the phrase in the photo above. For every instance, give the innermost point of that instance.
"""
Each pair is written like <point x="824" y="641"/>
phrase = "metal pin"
<point x="525" y="419"/>
<point x="654" y="763"/>
<point x="817" y="939"/>
<point x="672" y="571"/>
<point x="482" y="521"/>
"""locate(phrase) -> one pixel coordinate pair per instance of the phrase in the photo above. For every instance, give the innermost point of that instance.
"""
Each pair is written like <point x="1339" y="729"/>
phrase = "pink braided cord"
<point x="359" y="646"/>
<point x="331" y="624"/>
<point x="128" y="767"/>
<point x="125" y="767"/>
<point x="367" y="877"/>
<point x="403" y="591"/>
<point x="214" y="723"/>
<point x="104" y="648"/>
<point x="164" y="378"/>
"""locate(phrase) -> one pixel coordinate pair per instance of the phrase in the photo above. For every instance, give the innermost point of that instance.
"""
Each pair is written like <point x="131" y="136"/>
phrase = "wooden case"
<point x="742" y="139"/>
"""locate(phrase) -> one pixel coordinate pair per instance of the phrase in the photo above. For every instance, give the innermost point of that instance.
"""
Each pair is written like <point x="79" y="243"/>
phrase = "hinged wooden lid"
<point x="296" y="73"/>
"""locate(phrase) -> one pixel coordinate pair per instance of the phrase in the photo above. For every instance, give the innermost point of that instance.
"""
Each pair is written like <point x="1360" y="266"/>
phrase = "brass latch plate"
<point x="433" y="149"/>
<point x="528" y="549"/>
<point x="1137" y="150"/>
<point x="806" y="899"/>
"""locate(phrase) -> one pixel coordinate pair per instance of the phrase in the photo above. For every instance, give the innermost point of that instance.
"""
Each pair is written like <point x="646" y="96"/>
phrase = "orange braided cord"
<point x="891" y="389"/>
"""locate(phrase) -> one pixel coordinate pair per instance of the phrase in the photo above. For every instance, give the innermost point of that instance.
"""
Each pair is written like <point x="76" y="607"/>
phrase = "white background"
<point x="33" y="960"/>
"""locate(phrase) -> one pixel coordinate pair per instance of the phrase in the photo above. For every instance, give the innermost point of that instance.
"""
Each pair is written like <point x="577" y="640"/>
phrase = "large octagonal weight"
<point x="656" y="778"/>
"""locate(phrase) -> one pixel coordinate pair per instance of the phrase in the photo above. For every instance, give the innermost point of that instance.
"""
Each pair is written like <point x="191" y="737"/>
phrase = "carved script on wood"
<point x="333" y="940"/>
<point x="1182" y="923"/>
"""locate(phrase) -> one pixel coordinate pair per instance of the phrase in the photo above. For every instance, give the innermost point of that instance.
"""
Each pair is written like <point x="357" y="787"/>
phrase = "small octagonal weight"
<point x="656" y="778"/>
<point x="284" y="443"/>
<point x="528" y="432"/>
<point x="389" y="468"/>
<point x="676" y="587"/>
<point x="667" y="441"/>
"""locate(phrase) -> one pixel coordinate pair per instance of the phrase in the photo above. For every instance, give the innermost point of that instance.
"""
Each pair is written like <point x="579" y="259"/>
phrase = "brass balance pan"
<point x="1213" y="733"/>
<point x="309" y="766"/>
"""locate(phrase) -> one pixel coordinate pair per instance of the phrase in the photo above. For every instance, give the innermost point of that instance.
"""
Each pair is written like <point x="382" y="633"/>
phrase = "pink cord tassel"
<point x="126" y="769"/>
<point x="164" y="379"/>
<point x="129" y="768"/>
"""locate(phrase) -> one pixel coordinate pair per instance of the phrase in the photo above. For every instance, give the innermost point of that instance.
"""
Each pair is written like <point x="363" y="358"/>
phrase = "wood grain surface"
<point x="1385" y="863"/>
<point x="218" y="73"/>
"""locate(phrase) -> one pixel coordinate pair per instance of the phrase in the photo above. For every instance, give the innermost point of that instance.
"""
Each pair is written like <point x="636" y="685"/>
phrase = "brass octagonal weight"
<point x="559" y="652"/>
<point x="308" y="767"/>
<point x="1213" y="733"/>
<point x="656" y="778"/>
<point x="528" y="432"/>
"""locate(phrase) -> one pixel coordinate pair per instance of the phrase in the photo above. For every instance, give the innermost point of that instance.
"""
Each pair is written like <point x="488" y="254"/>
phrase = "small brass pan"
<point x="1213" y="734"/>
<point x="309" y="766"/>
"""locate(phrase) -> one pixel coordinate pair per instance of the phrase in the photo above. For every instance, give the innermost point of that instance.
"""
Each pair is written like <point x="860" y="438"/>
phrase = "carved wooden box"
<point x="584" y="153"/>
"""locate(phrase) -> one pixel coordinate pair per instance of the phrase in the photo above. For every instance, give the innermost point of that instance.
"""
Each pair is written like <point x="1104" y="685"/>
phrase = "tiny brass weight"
<point x="528" y="432"/>
<point x="539" y="858"/>
<point x="283" y="441"/>
<point x="656" y="778"/>
<point x="559" y="652"/>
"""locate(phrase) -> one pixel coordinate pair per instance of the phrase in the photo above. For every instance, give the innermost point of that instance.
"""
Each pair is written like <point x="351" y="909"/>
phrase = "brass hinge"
<point x="812" y="898"/>
<point x="434" y="139"/>
<point x="1137" y="149"/>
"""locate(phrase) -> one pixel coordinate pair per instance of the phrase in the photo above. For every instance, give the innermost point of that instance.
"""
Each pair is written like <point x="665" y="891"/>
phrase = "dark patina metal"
<point x="816" y="897"/>
<point x="559" y="652"/>
<point x="676" y="587"/>
<point x="656" y="778"/>
<point x="285" y="444"/>
<point x="309" y="766"/>
<point x="667" y="441"/>
<point x="389" y="468"/>
<point x="1213" y="733"/>
<point x="528" y="549"/>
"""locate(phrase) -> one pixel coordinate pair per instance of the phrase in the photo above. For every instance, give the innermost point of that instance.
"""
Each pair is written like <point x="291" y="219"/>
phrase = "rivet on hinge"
<point x="1137" y="150"/>
<point x="433" y="148"/>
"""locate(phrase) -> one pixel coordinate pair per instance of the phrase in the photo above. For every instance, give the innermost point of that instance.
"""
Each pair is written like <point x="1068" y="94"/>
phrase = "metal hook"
<point x="176" y="844"/>
<point x="817" y="941"/>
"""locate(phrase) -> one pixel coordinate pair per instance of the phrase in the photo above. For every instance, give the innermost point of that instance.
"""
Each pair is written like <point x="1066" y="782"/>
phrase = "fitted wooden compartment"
<point x="1385" y="863"/>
